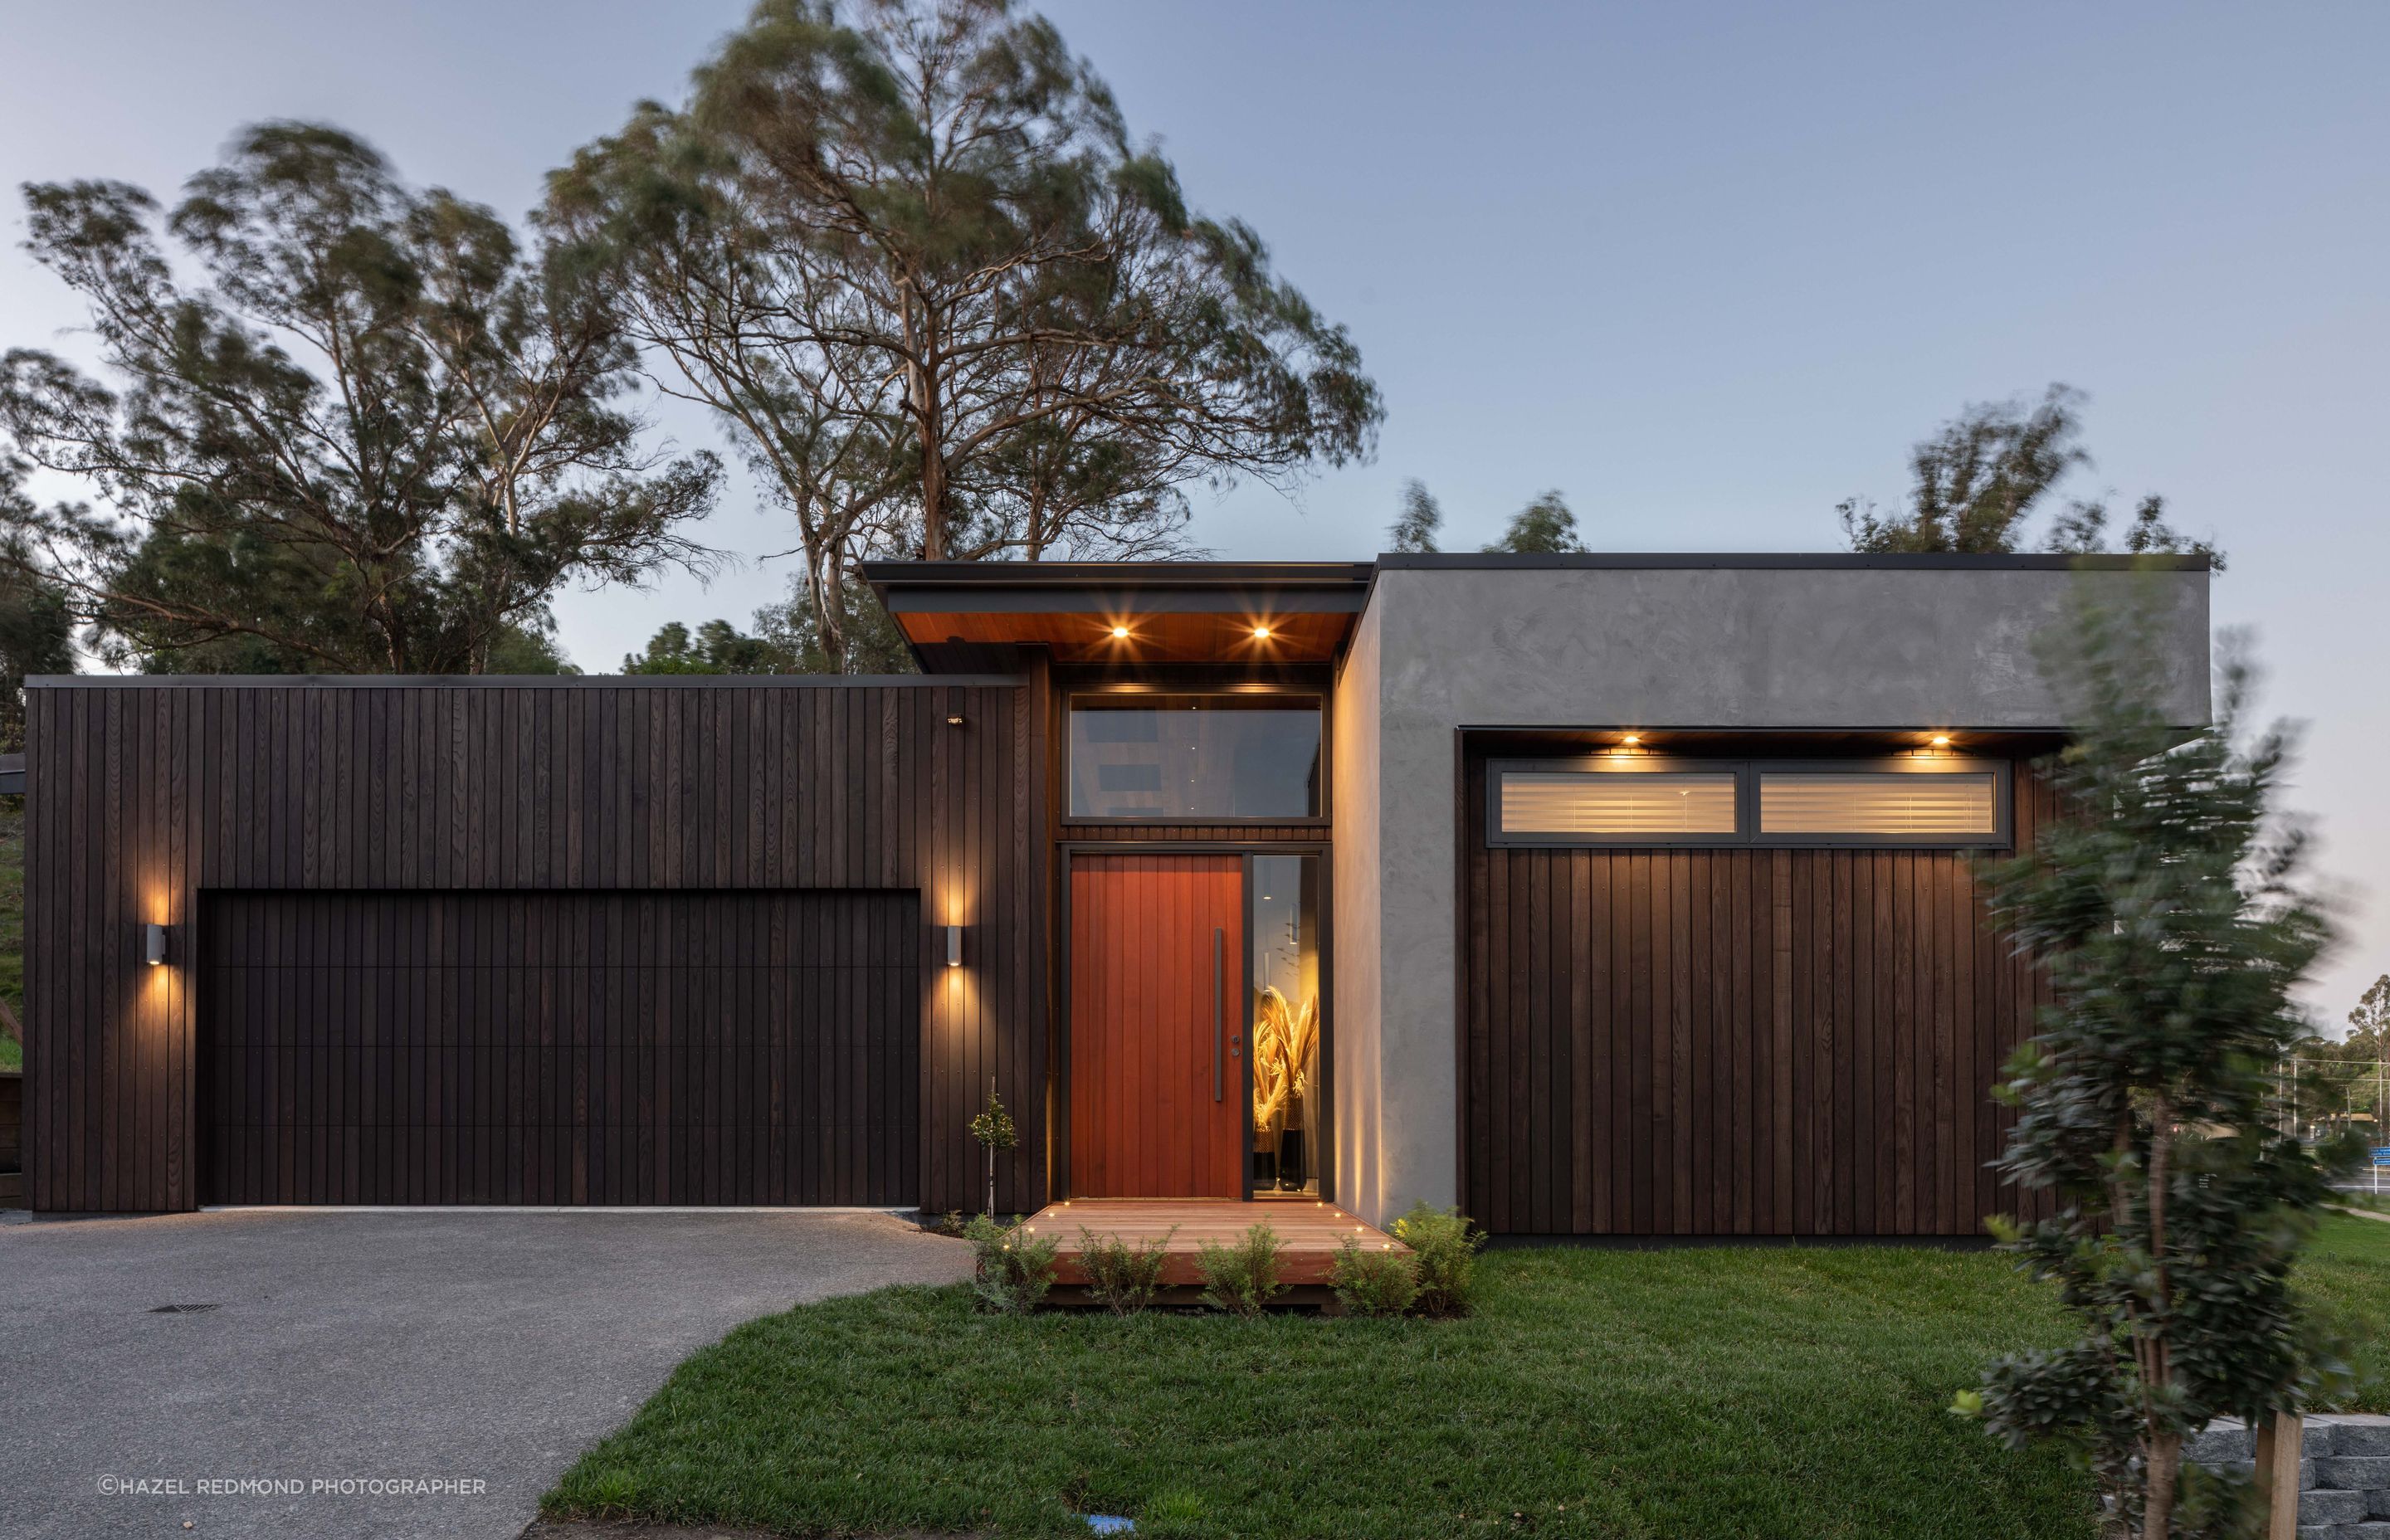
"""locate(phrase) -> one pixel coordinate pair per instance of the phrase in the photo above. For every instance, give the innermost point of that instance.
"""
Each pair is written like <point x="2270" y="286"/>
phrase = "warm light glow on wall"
<point x="1261" y="633"/>
<point x="1119" y="634"/>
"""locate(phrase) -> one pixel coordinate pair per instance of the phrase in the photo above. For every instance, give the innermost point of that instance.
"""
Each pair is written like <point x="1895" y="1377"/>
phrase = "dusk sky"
<point x="1705" y="269"/>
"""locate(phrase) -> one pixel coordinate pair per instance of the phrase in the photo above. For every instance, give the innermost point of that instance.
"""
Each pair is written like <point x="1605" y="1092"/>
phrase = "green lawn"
<point x="2347" y="1277"/>
<point x="1764" y="1391"/>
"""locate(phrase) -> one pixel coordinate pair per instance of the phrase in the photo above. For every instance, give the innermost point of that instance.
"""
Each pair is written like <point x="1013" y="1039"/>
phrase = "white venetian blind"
<point x="1626" y="803"/>
<point x="1860" y="802"/>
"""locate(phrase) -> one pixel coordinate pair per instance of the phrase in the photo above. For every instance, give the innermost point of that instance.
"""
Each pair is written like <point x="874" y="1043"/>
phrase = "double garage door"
<point x="560" y="1047"/>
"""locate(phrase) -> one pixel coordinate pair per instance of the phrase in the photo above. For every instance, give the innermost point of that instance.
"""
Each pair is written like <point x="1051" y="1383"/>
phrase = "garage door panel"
<point x="547" y="1048"/>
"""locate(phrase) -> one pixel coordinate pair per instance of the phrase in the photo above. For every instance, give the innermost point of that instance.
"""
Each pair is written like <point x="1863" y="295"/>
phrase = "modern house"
<point x="1603" y="895"/>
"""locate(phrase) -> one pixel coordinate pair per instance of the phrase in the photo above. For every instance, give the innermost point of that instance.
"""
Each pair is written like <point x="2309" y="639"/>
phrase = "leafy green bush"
<point x="1374" y="1283"/>
<point x="1244" y="1277"/>
<point x="1015" y="1268"/>
<point x="1122" y="1277"/>
<point x="1447" y="1247"/>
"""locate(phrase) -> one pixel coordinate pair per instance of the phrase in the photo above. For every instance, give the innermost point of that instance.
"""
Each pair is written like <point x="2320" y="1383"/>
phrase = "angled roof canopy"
<point x="1126" y="611"/>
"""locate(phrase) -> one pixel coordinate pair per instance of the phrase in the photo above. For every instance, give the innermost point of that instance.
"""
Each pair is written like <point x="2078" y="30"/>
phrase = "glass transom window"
<point x="1644" y="805"/>
<point x="1185" y="758"/>
<point x="1671" y="800"/>
<point x="1917" y="805"/>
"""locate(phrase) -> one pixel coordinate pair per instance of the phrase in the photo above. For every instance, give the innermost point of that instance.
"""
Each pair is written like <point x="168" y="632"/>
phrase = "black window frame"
<point x="1121" y="694"/>
<point x="1747" y="773"/>
<point x="1615" y="764"/>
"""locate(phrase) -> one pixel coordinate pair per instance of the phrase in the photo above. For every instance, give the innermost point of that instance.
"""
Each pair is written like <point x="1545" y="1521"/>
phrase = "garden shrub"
<point x="1244" y="1277"/>
<point x="1121" y="1276"/>
<point x="1445" y="1246"/>
<point x="1015" y="1268"/>
<point x="1374" y="1283"/>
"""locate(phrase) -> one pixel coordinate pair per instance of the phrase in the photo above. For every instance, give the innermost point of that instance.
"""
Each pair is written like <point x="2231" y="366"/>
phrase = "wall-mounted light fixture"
<point x="153" y="944"/>
<point x="1119" y="634"/>
<point x="953" y="946"/>
<point x="1261" y="633"/>
<point x="954" y="722"/>
<point x="1940" y="741"/>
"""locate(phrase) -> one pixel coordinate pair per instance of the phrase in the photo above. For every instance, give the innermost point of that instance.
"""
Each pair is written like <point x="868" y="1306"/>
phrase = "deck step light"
<point x="953" y="946"/>
<point x="154" y="943"/>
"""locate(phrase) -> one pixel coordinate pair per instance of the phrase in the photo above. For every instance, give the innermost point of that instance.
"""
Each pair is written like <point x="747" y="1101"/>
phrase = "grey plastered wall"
<point x="1453" y="643"/>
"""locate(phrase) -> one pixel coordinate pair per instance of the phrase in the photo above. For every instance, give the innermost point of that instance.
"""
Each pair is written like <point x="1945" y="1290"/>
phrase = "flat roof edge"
<point x="521" y="681"/>
<point x="1090" y="574"/>
<point x="1795" y="561"/>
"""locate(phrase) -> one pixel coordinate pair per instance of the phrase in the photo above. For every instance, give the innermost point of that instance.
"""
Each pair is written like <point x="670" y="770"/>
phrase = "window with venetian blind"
<point x="1942" y="801"/>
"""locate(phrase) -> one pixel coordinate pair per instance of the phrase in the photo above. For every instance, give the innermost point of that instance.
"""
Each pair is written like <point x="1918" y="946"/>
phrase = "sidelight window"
<point x="1289" y="1109"/>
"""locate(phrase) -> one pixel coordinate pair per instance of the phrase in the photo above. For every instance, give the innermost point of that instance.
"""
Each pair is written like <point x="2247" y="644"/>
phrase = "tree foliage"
<point x="2335" y="1079"/>
<point x="910" y="256"/>
<point x="867" y="642"/>
<point x="377" y="436"/>
<point x="2171" y="924"/>
<point x="718" y="648"/>
<point x="1976" y="483"/>
<point x="36" y="624"/>
<point x="1544" y="526"/>
<point x="1418" y="526"/>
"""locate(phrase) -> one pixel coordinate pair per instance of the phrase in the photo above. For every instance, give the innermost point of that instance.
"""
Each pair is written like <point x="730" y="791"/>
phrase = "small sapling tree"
<point x="994" y="1130"/>
<point x="2167" y="910"/>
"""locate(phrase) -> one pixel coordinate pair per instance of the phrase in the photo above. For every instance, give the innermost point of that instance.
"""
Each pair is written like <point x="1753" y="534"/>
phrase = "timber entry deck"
<point x="1309" y="1231"/>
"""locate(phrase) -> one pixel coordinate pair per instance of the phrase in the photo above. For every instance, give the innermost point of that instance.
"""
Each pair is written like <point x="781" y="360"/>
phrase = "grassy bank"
<point x="1756" y="1393"/>
<point x="1745" y="1391"/>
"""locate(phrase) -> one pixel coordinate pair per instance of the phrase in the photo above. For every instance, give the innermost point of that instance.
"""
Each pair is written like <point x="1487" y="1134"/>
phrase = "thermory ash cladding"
<point x="450" y="860"/>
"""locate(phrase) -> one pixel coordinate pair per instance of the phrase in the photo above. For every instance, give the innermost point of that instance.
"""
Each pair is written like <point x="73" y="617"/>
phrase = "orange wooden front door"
<point x="1157" y="1037"/>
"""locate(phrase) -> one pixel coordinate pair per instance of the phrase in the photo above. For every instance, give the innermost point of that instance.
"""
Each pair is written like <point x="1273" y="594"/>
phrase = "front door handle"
<point x="1219" y="1007"/>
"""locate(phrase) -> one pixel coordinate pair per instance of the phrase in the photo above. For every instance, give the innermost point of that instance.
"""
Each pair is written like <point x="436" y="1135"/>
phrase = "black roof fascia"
<point x="1132" y="574"/>
<point x="519" y="681"/>
<point x="1998" y="561"/>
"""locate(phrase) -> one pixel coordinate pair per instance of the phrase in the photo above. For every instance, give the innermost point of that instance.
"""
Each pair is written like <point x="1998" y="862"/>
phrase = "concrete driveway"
<point x="371" y="1350"/>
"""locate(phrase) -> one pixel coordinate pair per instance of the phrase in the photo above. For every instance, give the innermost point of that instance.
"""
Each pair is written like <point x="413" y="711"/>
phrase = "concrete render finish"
<point x="307" y="1344"/>
<point x="1447" y="645"/>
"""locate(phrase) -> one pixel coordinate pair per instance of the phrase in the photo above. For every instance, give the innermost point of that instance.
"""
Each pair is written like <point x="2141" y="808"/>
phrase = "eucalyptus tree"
<point x="374" y="433"/>
<point x="1416" y="528"/>
<point x="1976" y="483"/>
<point x="36" y="627"/>
<point x="1544" y="526"/>
<point x="910" y="255"/>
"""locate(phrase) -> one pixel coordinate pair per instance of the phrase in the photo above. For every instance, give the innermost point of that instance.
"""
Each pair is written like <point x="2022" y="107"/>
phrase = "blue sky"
<point x="1706" y="268"/>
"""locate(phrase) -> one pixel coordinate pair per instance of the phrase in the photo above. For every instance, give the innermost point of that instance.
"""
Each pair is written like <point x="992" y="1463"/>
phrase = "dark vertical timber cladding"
<point x="526" y="1046"/>
<point x="845" y="965"/>
<point x="1736" y="1042"/>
